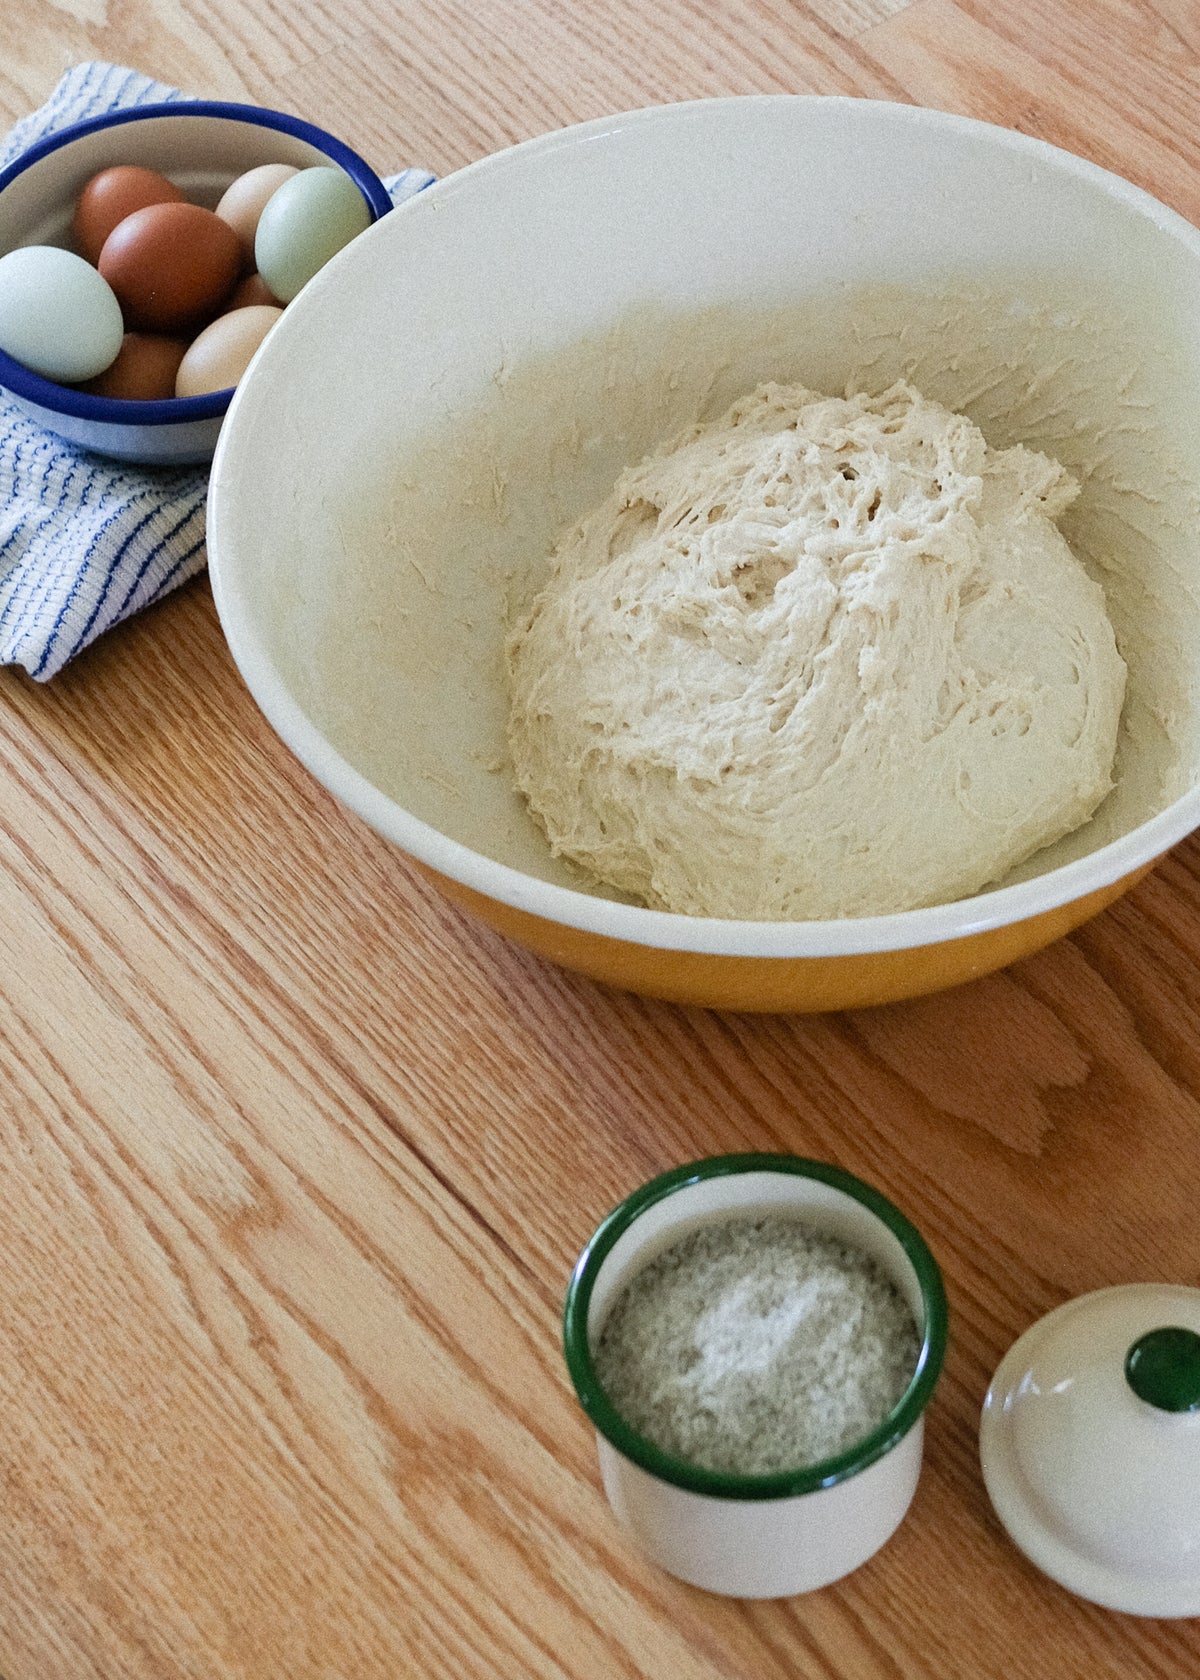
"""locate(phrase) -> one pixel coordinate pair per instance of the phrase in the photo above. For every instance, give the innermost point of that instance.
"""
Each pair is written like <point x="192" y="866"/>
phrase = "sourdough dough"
<point x="823" y="657"/>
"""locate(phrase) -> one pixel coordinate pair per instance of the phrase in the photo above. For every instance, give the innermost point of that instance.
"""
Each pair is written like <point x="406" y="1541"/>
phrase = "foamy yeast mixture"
<point x="822" y="657"/>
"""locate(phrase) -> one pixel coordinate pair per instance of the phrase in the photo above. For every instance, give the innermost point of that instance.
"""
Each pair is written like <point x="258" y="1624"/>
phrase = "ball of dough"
<point x="824" y="657"/>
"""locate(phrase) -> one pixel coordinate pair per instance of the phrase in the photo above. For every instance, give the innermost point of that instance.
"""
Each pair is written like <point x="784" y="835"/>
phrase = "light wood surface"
<point x="296" y="1159"/>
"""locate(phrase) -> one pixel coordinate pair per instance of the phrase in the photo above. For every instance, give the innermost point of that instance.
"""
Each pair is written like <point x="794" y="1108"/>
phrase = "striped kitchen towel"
<point x="86" y="542"/>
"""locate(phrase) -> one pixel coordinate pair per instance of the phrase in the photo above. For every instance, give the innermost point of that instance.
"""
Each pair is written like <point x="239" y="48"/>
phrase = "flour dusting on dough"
<point x="823" y="657"/>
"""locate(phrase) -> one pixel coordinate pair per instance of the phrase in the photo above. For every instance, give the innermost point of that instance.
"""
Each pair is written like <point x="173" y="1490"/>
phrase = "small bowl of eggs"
<point x="146" y="254"/>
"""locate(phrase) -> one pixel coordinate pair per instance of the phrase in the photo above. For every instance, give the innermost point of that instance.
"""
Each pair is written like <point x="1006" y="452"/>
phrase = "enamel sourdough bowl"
<point x="201" y="146"/>
<point x="472" y="374"/>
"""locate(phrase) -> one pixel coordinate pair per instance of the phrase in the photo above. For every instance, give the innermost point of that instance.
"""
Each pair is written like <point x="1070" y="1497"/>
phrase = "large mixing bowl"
<point x="473" y="372"/>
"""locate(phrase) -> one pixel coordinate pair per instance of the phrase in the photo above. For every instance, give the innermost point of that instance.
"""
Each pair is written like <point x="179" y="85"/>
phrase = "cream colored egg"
<point x="244" y="199"/>
<point x="219" y="356"/>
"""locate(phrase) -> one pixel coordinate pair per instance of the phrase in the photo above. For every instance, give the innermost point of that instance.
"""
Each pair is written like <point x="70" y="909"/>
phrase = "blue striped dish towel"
<point x="85" y="542"/>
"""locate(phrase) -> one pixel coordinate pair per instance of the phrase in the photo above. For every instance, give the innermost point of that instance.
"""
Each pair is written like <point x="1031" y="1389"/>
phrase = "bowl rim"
<point x="611" y="918"/>
<point x="83" y="405"/>
<point x="781" y="1484"/>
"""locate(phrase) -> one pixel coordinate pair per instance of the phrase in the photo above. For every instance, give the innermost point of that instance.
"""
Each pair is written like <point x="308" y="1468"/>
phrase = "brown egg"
<point x="171" y="266"/>
<point x="221" y="354"/>
<point x="111" y="196"/>
<point x="144" y="370"/>
<point x="252" y="290"/>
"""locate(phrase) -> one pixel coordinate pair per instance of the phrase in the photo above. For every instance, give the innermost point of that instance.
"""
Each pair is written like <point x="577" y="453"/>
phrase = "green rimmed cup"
<point x="764" y="1536"/>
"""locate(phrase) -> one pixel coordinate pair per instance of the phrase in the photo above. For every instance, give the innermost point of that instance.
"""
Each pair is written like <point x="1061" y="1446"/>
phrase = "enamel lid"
<point x="1090" y="1447"/>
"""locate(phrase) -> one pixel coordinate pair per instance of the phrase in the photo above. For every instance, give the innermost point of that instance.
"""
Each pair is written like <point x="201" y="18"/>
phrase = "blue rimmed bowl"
<point x="200" y="145"/>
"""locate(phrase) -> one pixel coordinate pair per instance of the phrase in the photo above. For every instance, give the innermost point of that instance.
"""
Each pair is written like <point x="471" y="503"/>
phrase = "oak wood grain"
<point x="295" y="1159"/>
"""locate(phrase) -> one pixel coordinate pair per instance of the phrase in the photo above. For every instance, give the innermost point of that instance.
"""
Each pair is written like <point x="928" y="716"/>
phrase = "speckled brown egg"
<point x="144" y="370"/>
<point x="248" y="292"/>
<point x="171" y="266"/>
<point x="112" y="195"/>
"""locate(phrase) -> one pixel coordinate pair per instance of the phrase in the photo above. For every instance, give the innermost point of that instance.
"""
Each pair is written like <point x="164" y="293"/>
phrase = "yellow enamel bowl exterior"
<point x="522" y="252"/>
<point x="783" y="985"/>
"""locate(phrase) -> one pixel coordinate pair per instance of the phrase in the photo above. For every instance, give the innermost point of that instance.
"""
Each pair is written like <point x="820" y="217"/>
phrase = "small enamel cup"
<point x="765" y="1536"/>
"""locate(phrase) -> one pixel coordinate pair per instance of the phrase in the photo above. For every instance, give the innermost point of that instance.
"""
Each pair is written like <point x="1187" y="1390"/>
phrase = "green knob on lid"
<point x="1163" y="1369"/>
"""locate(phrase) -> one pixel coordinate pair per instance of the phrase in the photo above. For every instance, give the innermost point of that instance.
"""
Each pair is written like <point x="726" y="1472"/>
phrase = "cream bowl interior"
<point x="475" y="371"/>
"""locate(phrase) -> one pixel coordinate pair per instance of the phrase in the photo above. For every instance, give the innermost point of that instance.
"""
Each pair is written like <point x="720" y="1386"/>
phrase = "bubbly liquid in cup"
<point x="755" y="1345"/>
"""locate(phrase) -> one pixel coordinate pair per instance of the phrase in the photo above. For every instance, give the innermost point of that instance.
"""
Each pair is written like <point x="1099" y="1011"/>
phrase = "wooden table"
<point x="296" y="1159"/>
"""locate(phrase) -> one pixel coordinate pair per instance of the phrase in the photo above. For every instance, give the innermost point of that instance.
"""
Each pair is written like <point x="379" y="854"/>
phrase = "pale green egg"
<point x="304" y="222"/>
<point x="58" y="316"/>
